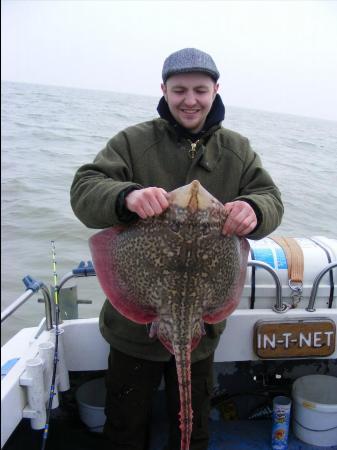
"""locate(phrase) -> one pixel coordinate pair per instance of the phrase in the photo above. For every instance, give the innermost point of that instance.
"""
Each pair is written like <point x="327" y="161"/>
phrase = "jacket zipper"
<point x="193" y="150"/>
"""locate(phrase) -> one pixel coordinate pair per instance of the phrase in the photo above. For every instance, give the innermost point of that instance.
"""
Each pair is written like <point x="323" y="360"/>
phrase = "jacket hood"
<point x="214" y="117"/>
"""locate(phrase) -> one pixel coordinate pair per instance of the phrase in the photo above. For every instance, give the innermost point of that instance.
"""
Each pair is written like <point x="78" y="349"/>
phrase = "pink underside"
<point x="100" y="245"/>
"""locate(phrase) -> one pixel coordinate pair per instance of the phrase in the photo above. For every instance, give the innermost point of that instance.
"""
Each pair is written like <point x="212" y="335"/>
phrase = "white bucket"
<point x="315" y="409"/>
<point x="91" y="399"/>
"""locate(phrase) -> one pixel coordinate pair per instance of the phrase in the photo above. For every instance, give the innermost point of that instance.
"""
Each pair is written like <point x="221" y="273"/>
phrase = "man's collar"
<point x="214" y="117"/>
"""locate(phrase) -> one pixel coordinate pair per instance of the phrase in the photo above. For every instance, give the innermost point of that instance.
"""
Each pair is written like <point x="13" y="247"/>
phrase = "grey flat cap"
<point x="189" y="60"/>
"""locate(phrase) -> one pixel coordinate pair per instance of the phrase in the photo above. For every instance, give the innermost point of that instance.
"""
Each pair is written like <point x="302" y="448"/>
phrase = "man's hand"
<point x="147" y="202"/>
<point x="241" y="219"/>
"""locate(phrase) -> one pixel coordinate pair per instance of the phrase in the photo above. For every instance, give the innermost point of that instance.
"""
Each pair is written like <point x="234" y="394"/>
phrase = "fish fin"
<point x="101" y="246"/>
<point x="153" y="330"/>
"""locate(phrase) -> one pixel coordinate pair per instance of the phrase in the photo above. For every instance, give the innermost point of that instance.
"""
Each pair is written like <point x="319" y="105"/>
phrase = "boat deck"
<point x="67" y="432"/>
<point x="230" y="435"/>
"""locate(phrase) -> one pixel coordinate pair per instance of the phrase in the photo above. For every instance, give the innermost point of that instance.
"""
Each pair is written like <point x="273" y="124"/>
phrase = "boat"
<point x="284" y="328"/>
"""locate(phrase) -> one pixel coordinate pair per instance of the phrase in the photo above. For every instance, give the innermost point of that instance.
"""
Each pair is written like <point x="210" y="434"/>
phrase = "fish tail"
<point x="183" y="363"/>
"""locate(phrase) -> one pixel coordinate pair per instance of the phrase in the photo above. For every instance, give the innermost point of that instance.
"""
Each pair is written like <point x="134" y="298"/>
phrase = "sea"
<point x="50" y="131"/>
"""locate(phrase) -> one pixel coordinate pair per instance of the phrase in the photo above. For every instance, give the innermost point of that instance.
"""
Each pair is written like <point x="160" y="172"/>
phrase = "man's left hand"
<point x="241" y="219"/>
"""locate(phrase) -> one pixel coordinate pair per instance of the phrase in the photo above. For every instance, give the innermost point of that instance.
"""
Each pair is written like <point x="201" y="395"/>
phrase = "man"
<point x="129" y="179"/>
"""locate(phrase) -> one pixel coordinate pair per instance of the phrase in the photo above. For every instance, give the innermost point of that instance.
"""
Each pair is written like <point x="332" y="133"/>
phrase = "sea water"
<point x="49" y="131"/>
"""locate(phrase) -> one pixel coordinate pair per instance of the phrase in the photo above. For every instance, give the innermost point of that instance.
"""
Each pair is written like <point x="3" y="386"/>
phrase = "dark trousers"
<point x="131" y="383"/>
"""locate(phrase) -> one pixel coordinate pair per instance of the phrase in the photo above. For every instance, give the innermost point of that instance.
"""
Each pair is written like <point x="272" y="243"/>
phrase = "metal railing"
<point x="316" y="283"/>
<point x="279" y="307"/>
<point x="87" y="270"/>
<point x="32" y="288"/>
<point x="83" y="270"/>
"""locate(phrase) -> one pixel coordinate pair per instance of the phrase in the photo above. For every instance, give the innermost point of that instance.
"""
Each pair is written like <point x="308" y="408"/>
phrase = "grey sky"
<point x="272" y="55"/>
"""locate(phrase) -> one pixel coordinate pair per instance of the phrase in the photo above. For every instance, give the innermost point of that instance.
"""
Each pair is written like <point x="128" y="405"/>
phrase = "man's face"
<point x="190" y="97"/>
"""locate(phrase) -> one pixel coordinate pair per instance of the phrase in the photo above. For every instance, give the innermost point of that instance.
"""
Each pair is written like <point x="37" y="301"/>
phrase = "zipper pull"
<point x="192" y="151"/>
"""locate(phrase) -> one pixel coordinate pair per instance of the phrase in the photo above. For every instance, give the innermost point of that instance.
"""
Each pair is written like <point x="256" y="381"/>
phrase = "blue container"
<point x="281" y="421"/>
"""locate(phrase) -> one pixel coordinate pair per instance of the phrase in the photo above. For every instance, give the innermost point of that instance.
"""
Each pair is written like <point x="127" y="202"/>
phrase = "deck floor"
<point x="67" y="432"/>
<point x="230" y="435"/>
<point x="240" y="435"/>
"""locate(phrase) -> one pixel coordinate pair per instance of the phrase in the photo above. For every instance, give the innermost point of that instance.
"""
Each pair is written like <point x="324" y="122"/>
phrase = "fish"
<point x="175" y="271"/>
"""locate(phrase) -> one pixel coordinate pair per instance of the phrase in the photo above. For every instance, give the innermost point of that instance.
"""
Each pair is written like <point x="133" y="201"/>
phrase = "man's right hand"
<point x="147" y="202"/>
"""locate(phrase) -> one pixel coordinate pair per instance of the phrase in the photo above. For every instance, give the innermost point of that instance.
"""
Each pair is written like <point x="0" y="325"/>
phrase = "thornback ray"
<point x="176" y="271"/>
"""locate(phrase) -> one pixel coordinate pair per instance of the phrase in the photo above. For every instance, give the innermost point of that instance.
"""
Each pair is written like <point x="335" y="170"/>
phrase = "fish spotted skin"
<point x="175" y="270"/>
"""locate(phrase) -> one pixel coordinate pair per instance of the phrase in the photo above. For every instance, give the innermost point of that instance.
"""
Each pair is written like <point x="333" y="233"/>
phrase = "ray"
<point x="176" y="271"/>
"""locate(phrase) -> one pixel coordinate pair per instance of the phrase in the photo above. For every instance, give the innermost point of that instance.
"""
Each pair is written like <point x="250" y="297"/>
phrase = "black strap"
<point x="253" y="284"/>
<point x="332" y="286"/>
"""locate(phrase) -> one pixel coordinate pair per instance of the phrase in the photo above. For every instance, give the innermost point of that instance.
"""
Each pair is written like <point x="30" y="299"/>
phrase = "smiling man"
<point x="129" y="179"/>
<point x="190" y="97"/>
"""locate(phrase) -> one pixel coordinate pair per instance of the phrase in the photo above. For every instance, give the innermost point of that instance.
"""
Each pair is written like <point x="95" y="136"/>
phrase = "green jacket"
<point x="150" y="154"/>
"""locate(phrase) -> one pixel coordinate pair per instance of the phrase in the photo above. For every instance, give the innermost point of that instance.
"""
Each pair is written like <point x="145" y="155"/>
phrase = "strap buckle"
<point x="296" y="291"/>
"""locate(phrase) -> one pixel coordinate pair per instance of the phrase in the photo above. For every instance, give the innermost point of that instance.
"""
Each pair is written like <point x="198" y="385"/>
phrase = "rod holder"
<point x="62" y="373"/>
<point x="32" y="378"/>
<point x="46" y="353"/>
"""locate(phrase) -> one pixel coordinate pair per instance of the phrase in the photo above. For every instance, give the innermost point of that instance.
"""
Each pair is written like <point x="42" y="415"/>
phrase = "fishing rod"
<point x="57" y="314"/>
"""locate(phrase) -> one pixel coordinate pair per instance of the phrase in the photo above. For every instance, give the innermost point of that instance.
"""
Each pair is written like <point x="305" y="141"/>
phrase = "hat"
<point x="189" y="60"/>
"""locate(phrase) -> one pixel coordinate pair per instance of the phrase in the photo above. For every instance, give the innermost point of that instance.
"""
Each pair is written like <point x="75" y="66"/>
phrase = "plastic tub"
<point x="90" y="398"/>
<point x="315" y="409"/>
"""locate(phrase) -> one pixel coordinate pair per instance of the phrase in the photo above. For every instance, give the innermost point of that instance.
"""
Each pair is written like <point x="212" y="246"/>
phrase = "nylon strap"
<point x="294" y="255"/>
